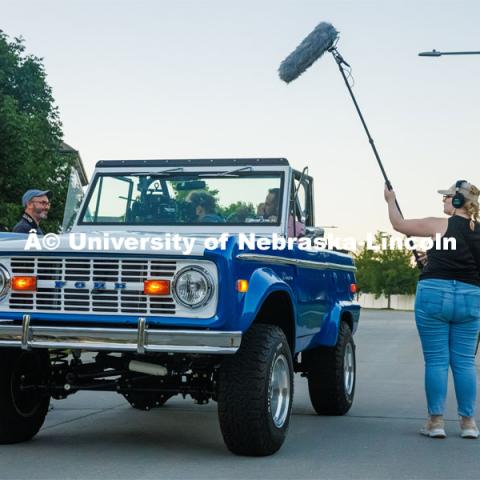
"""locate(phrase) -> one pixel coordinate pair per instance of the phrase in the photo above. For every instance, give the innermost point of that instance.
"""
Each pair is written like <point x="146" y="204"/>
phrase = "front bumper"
<point x="140" y="340"/>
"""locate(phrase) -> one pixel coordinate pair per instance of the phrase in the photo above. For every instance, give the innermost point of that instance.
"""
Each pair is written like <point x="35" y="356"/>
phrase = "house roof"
<point x="67" y="149"/>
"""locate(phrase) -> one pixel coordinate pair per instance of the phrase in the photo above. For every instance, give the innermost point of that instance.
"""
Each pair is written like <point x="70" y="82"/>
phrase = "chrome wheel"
<point x="255" y="392"/>
<point x="280" y="391"/>
<point x="349" y="369"/>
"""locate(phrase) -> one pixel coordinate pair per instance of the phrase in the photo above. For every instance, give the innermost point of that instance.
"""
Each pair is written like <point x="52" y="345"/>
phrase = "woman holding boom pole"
<point x="447" y="306"/>
<point x="447" y="309"/>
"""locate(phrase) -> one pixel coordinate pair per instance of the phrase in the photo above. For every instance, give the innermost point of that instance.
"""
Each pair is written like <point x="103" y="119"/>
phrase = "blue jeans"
<point x="447" y="313"/>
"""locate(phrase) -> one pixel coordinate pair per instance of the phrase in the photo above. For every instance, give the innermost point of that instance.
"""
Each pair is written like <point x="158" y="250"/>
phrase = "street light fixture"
<point x="436" y="53"/>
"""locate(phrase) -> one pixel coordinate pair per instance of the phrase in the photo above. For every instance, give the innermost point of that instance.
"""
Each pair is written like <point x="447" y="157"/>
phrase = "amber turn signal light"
<point x="353" y="288"/>
<point x="24" y="284"/>
<point x="242" y="286"/>
<point x="156" y="287"/>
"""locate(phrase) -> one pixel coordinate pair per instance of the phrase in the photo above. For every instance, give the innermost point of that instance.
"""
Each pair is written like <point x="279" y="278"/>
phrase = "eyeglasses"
<point x="447" y="196"/>
<point x="43" y="203"/>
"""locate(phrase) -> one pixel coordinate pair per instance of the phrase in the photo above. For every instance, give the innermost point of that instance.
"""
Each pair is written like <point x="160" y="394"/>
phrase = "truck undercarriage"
<point x="146" y="382"/>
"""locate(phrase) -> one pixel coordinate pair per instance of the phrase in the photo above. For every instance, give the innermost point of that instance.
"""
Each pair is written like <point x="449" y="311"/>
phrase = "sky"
<point x="153" y="79"/>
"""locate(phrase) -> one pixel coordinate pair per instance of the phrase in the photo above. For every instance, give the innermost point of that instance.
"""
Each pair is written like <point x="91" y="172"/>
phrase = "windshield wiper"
<point x="227" y="173"/>
<point x="157" y="174"/>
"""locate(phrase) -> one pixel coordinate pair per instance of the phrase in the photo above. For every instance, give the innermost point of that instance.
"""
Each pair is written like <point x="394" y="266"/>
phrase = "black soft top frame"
<point x="220" y="162"/>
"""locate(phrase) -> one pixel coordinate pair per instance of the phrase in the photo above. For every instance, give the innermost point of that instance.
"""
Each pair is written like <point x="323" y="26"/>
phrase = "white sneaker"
<point x="468" y="429"/>
<point x="469" y="433"/>
<point x="434" y="429"/>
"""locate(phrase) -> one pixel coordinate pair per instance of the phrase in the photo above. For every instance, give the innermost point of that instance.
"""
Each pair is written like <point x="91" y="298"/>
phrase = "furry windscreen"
<point x="310" y="50"/>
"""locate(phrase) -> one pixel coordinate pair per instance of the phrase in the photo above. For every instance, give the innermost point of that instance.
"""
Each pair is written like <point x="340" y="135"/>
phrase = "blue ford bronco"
<point x="168" y="282"/>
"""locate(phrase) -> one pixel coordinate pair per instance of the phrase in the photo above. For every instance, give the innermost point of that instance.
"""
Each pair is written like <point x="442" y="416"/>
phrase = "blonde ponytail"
<point x="472" y="208"/>
<point x="473" y="213"/>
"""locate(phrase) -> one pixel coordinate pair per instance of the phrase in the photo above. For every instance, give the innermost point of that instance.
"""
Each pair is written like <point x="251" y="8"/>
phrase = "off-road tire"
<point x="326" y="377"/>
<point x="22" y="413"/>
<point x="244" y="389"/>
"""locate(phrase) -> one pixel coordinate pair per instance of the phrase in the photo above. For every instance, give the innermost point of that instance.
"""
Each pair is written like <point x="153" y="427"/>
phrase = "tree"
<point x="368" y="270"/>
<point x="30" y="135"/>
<point x="235" y="212"/>
<point x="238" y="210"/>
<point x="388" y="271"/>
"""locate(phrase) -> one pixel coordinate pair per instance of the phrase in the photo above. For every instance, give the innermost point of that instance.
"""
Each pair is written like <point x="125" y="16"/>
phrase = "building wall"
<point x="397" y="302"/>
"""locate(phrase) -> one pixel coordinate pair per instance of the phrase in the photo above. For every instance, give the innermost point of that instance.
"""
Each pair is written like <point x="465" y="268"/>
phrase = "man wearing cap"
<point x="37" y="205"/>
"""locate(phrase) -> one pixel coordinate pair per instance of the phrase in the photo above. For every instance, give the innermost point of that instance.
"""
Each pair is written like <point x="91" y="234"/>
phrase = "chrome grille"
<point x="128" y="300"/>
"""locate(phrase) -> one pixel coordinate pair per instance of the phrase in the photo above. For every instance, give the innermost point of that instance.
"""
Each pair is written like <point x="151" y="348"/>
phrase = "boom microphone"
<point x="310" y="50"/>
<point x="322" y="39"/>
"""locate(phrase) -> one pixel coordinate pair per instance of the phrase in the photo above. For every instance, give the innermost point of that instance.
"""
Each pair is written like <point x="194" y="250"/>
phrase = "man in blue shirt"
<point x="37" y="205"/>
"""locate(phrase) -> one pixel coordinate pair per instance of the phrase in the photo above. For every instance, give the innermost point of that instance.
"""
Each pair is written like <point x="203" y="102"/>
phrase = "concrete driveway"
<point x="101" y="436"/>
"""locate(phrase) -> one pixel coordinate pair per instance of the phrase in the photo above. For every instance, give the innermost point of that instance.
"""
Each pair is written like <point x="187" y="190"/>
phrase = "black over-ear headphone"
<point x="458" y="199"/>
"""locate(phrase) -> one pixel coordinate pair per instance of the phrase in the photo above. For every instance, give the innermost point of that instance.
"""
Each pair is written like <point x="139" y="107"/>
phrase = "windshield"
<point x="73" y="201"/>
<point x="181" y="199"/>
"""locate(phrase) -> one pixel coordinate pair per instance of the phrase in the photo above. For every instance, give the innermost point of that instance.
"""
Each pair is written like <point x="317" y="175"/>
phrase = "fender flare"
<point x="262" y="283"/>
<point x="328" y="335"/>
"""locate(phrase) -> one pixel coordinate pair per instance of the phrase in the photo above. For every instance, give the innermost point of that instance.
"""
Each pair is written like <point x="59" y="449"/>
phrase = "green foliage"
<point x="240" y="209"/>
<point x="30" y="135"/>
<point x="181" y="195"/>
<point x="368" y="270"/>
<point x="236" y="211"/>
<point x="387" y="271"/>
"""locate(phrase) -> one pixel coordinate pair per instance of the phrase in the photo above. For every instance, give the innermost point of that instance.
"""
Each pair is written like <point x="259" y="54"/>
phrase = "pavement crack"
<point x="82" y="417"/>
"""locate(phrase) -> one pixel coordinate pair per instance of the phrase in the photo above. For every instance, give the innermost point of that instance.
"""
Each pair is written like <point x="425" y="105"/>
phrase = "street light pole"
<point x="436" y="53"/>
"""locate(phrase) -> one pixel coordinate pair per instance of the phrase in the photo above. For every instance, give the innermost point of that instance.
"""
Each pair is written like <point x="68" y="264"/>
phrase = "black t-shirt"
<point x="26" y="224"/>
<point x="461" y="264"/>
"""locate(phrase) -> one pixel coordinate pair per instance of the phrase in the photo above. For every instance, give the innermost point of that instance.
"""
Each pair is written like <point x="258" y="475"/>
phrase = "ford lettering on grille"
<point x="91" y="285"/>
<point x="96" y="285"/>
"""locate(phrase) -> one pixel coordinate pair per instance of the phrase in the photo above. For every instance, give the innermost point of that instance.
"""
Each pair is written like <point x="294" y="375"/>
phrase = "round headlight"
<point x="4" y="282"/>
<point x="193" y="287"/>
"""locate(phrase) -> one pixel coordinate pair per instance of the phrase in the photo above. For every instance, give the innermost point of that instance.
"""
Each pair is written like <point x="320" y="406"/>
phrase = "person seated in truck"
<point x="296" y="227"/>
<point x="204" y="205"/>
<point x="269" y="209"/>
